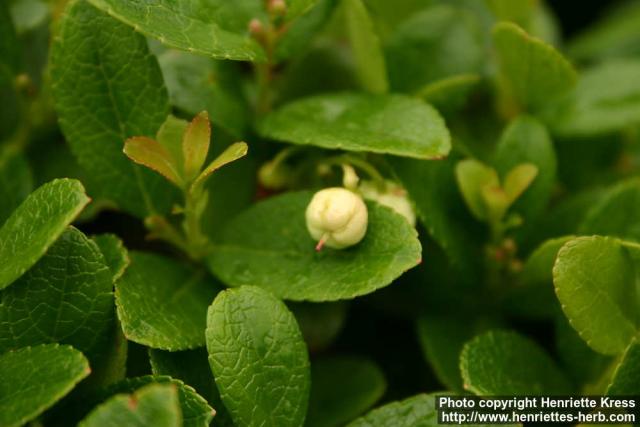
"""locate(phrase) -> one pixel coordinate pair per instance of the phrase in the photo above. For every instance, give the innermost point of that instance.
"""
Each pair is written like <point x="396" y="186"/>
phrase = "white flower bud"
<point x="337" y="218"/>
<point x="393" y="196"/>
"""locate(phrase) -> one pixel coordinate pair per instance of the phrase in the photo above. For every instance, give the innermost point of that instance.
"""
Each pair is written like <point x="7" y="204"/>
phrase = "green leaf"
<point x="195" y="145"/>
<point x="594" y="279"/>
<point x="616" y="213"/>
<point x="16" y="182"/>
<point x="107" y="87"/>
<point x="416" y="411"/>
<point x="150" y="153"/>
<point x="153" y="405"/>
<point x="501" y="363"/>
<point x="526" y="140"/>
<point x="320" y="324"/>
<point x="162" y="303"/>
<point x="606" y="99"/>
<point x="519" y="179"/>
<point x="341" y="389"/>
<point x="449" y="93"/>
<point x="114" y="252"/>
<point x="519" y="12"/>
<point x="65" y="298"/>
<point x="204" y="28"/>
<point x="391" y="124"/>
<point x="192" y="367"/>
<point x="473" y="177"/>
<point x="615" y="35"/>
<point x="36" y="224"/>
<point x="438" y="42"/>
<point x="281" y="257"/>
<point x="531" y="71"/>
<point x="433" y="189"/>
<point x="258" y="358"/>
<point x="441" y="339"/>
<point x="365" y="46"/>
<point x="195" y="410"/>
<point x="34" y="378"/>
<point x="196" y="83"/>
<point x="626" y="378"/>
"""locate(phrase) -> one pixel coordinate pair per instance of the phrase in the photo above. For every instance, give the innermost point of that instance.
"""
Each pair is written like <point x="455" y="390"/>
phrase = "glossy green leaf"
<point x="196" y="412"/>
<point x="36" y="225"/>
<point x="16" y="182"/>
<point x="391" y="124"/>
<point x="616" y="213"/>
<point x="532" y="72"/>
<point x="258" y="358"/>
<point x="366" y="47"/>
<point x="202" y="28"/>
<point x="626" y="378"/>
<point x="153" y="405"/>
<point x="526" y="140"/>
<point x="162" y="303"/>
<point x="281" y="257"/>
<point x="107" y="88"/>
<point x="196" y="83"/>
<point x="502" y="363"/>
<point x="432" y="188"/>
<point x="192" y="367"/>
<point x="416" y="411"/>
<point x="595" y="281"/>
<point x="436" y="43"/>
<point x="605" y="100"/>
<point x="114" y="252"/>
<point x="341" y="389"/>
<point x="34" y="378"/>
<point x="65" y="298"/>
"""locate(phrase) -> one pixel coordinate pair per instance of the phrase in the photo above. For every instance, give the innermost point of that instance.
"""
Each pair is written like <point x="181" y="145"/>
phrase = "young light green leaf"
<point x="605" y="100"/>
<point x="192" y="367"/>
<point x="391" y="124"/>
<point x="472" y="177"/>
<point x="150" y="153"/>
<point x="258" y="358"/>
<point x="16" y="182"/>
<point x="503" y="363"/>
<point x="615" y="213"/>
<point x="626" y="378"/>
<point x="532" y="72"/>
<point x="518" y="180"/>
<point x="66" y="297"/>
<point x="434" y="43"/>
<point x="195" y="145"/>
<point x="107" y="87"/>
<point x="170" y="137"/>
<point x="342" y="388"/>
<point x="366" y="48"/>
<point x="114" y="252"/>
<point x="206" y="29"/>
<point x="153" y="405"/>
<point x="525" y="140"/>
<point x="36" y="225"/>
<point x="196" y="412"/>
<point x="234" y="152"/>
<point x="281" y="257"/>
<point x="34" y="378"/>
<point x="162" y="303"/>
<point x="594" y="279"/>
<point x="416" y="411"/>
